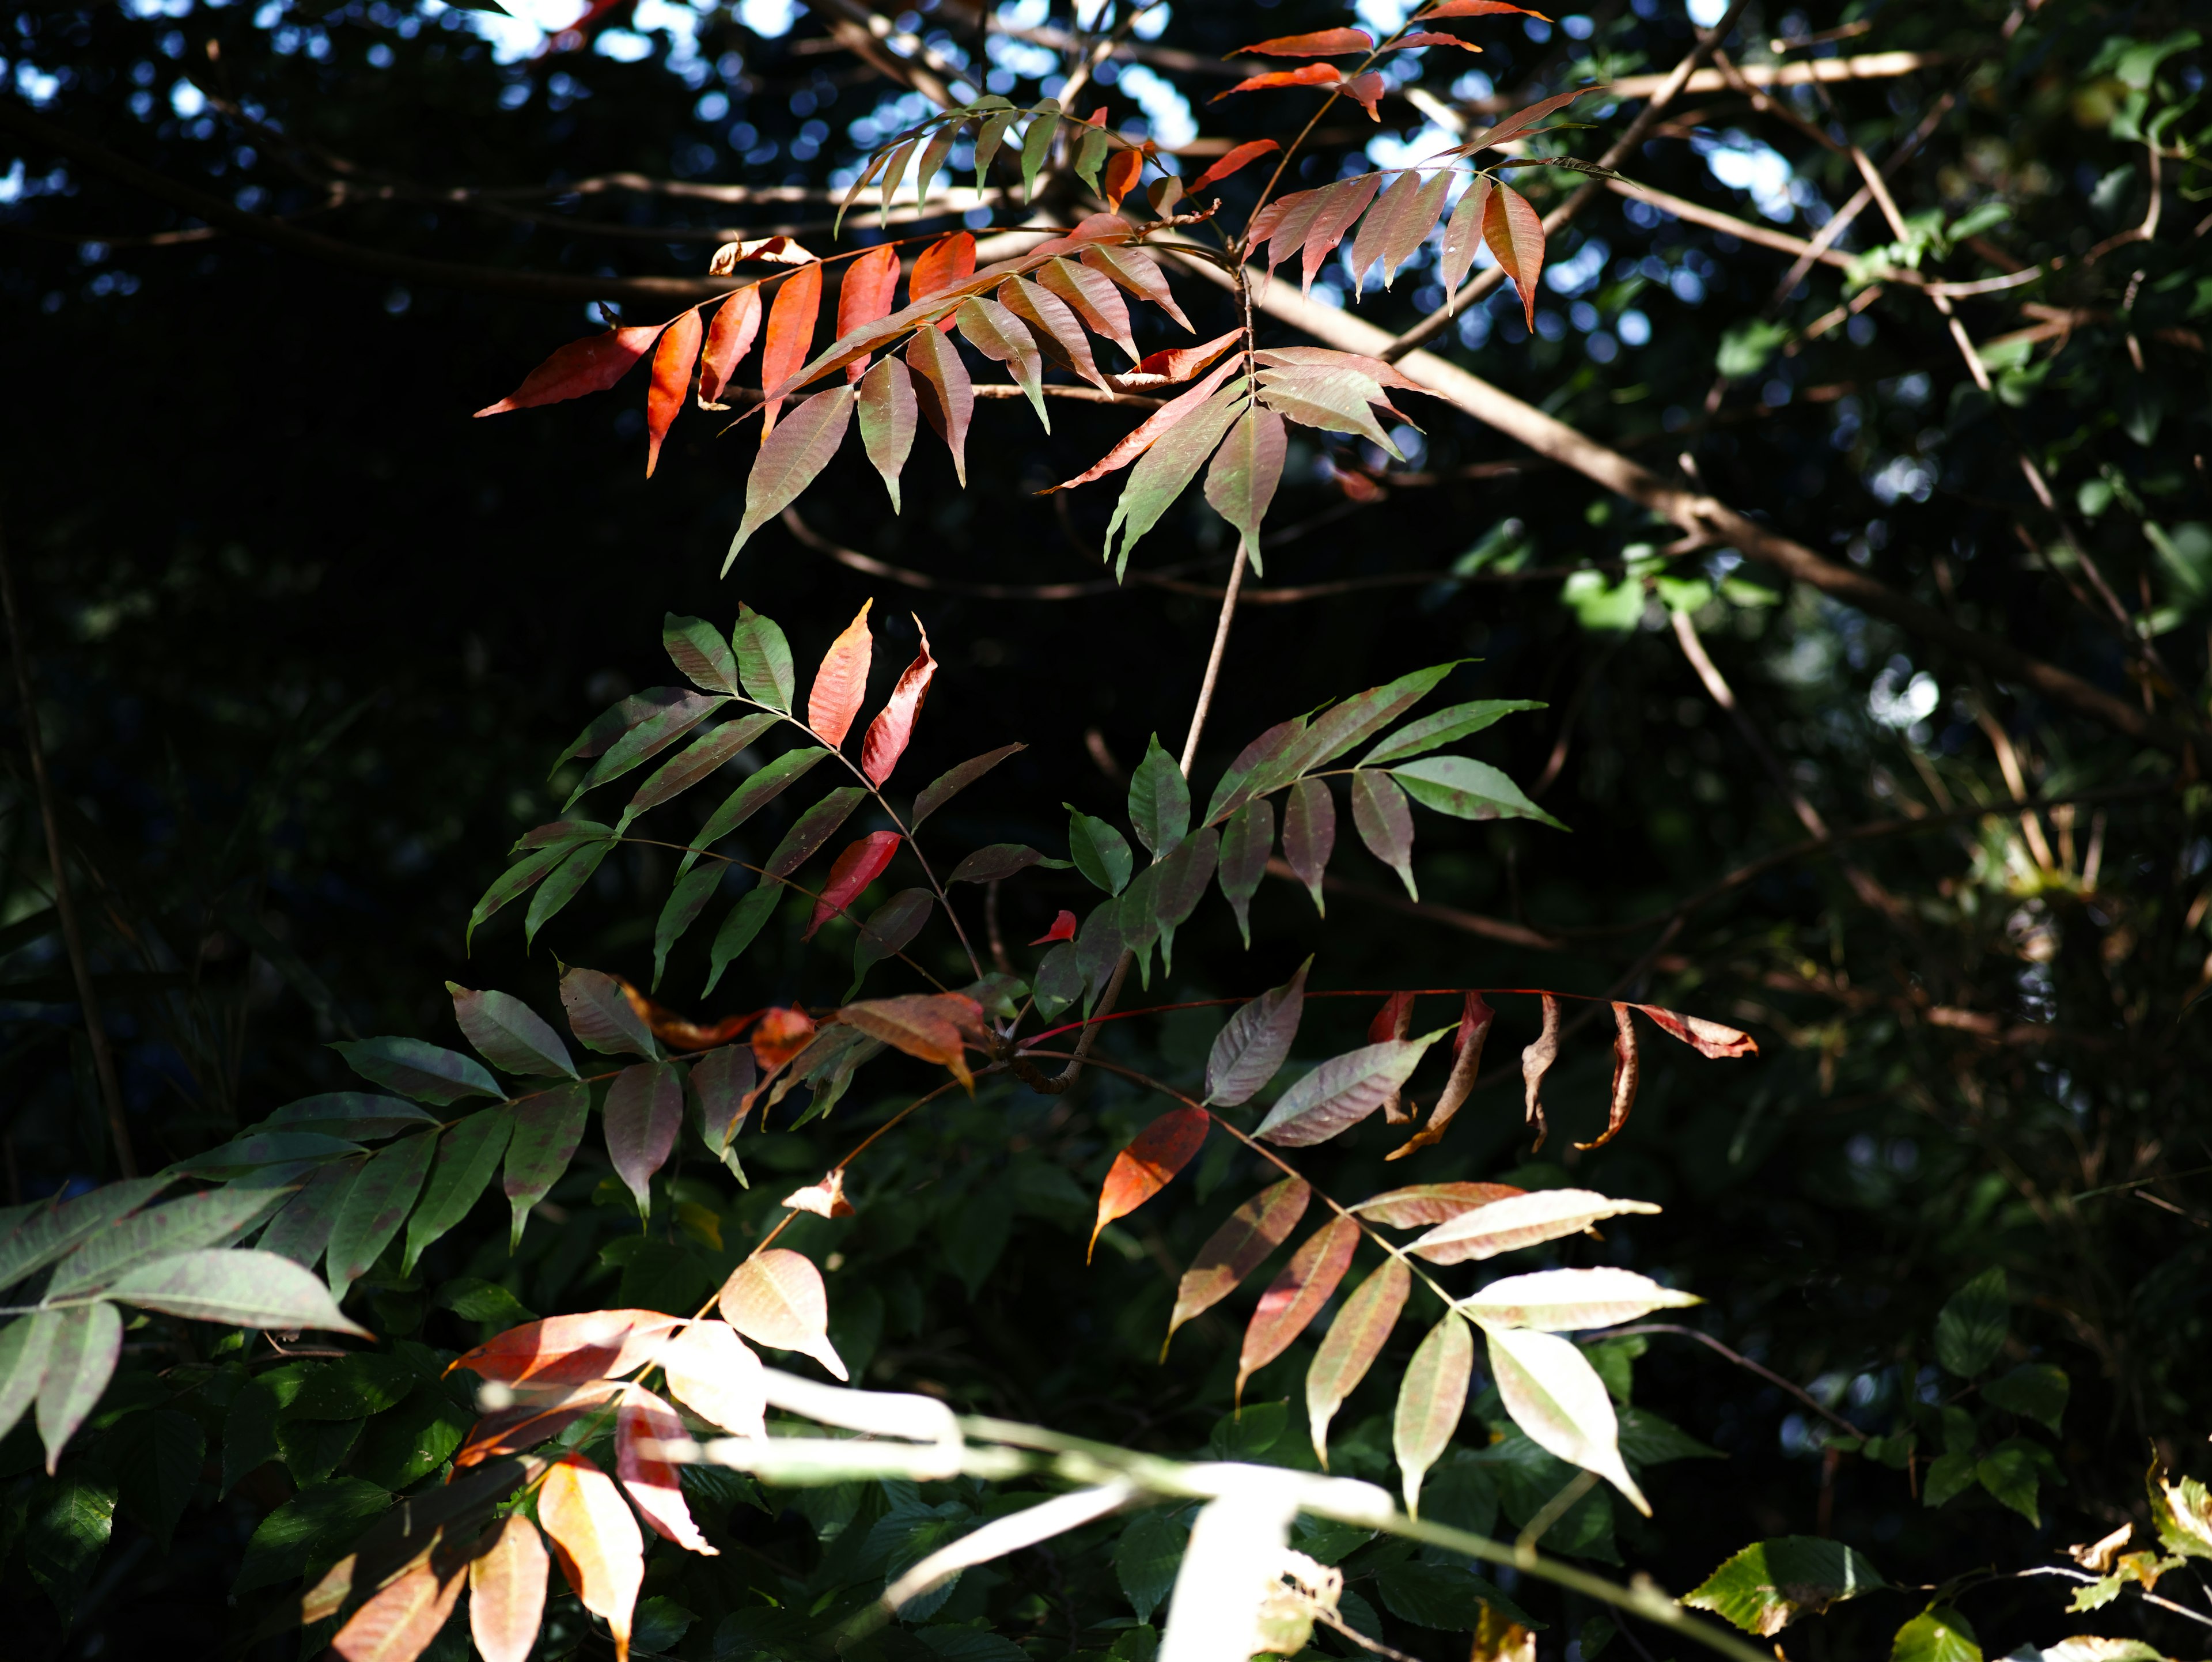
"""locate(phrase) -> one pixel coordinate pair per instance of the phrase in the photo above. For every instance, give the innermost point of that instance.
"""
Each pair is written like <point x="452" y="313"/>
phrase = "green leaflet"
<point x="46" y="1233"/>
<point x="697" y="649"/>
<point x="772" y="780"/>
<point x="302" y="1229"/>
<point x="1241" y="482"/>
<point x="745" y="920"/>
<point x="1938" y="1633"/>
<point x="647" y="739"/>
<point x="375" y="1205"/>
<point x="1159" y="801"/>
<point x="1360" y="717"/>
<point x="1059" y="981"/>
<point x="1469" y="789"/>
<point x="791" y="458"/>
<point x="1091" y="154"/>
<point x="427" y="1073"/>
<point x="547" y="1129"/>
<point x="87" y="1342"/>
<point x="889" y="929"/>
<point x="558" y="889"/>
<point x="1036" y="143"/>
<point x="686" y="900"/>
<point x="1971" y="1327"/>
<point x="235" y="1289"/>
<point x="947" y="785"/>
<point x="510" y="1035"/>
<point x="763" y="659"/>
<point x="1245" y="841"/>
<point x="66" y="1531"/>
<point x="810" y="831"/>
<point x="26" y="1344"/>
<point x="888" y="414"/>
<point x="1145" y="1560"/>
<point x="1100" y="852"/>
<point x="1385" y="823"/>
<point x="1183" y="876"/>
<point x="202" y="1220"/>
<point x="515" y="879"/>
<point x="1443" y="727"/>
<point x="467" y="1156"/>
<point x="157" y="1456"/>
<point x="1163" y="470"/>
<point x="315" y="1525"/>
<point x="700" y="759"/>
<point x="988" y="137"/>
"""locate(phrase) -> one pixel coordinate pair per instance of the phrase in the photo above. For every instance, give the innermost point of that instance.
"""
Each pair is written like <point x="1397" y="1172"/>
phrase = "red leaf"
<point x="399" y="1624"/>
<point x="1474" y="9"/>
<point x="1179" y="363"/>
<point x="507" y="1591"/>
<point x="679" y="1033"/>
<point x="1427" y="1204"/>
<point x="860" y="864"/>
<point x="596" y="1540"/>
<point x="1516" y="236"/>
<point x="1521" y="118"/>
<point x="1093" y="297"/>
<point x="1366" y="91"/>
<point x="729" y="340"/>
<point x="1234" y="1250"/>
<point x="842" y="682"/>
<point x="1393" y="1021"/>
<point x="1341" y="204"/>
<point x="652" y="1481"/>
<point x="947" y="261"/>
<point x="1243" y="156"/>
<point x="776" y="1298"/>
<point x="1154" y="428"/>
<point x="592" y="365"/>
<point x="1296" y="1296"/>
<point x="1123" y="169"/>
<point x="711" y="1372"/>
<point x="1149" y="1164"/>
<point x="931" y="1026"/>
<point x="781" y="1035"/>
<point x="1708" y="1039"/>
<point x="546" y="1416"/>
<point x="1627" y="1068"/>
<point x="1428" y="38"/>
<point x="870" y="285"/>
<point x="790" y="335"/>
<point x="888" y="735"/>
<point x="1322" y="43"/>
<point x="644" y="1111"/>
<point x="1474" y="1020"/>
<point x="1063" y="928"/>
<point x="1309" y="74"/>
<point x="569" y="1349"/>
<point x="671" y="382"/>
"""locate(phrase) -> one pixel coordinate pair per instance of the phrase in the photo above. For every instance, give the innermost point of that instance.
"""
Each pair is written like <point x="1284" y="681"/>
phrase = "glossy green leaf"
<point x="1938" y="1633"/>
<point x="604" y="730"/>
<point x="1249" y="1050"/>
<point x="1343" y="1091"/>
<point x="1384" y="823"/>
<point x="1183" y="880"/>
<point x="566" y="882"/>
<point x="1971" y="1329"/>
<point x="790" y="459"/>
<point x="1771" y="1584"/>
<point x="1091" y="149"/>
<point x="602" y="1018"/>
<point x="1467" y="790"/>
<point x="427" y="1073"/>
<point x="699" y="760"/>
<point x="1430" y="1399"/>
<point x="746" y="920"/>
<point x="749" y="798"/>
<point x="763" y="659"/>
<point x="888" y="413"/>
<point x="1159" y="801"/>
<point x="467" y="1156"/>
<point x="237" y="1288"/>
<point x="2034" y="1390"/>
<point x="26" y="1344"/>
<point x="1036" y="143"/>
<point x="1309" y="834"/>
<point x="647" y="739"/>
<point x="86" y="1341"/>
<point x="548" y="1127"/>
<point x="644" y="1111"/>
<point x="686" y="900"/>
<point x="1444" y="727"/>
<point x="376" y="1203"/>
<point x="811" y="830"/>
<point x="181" y="1225"/>
<point x="889" y="930"/>
<point x="946" y="786"/>
<point x="510" y="1035"/>
<point x="1100" y="853"/>
<point x="1247" y="839"/>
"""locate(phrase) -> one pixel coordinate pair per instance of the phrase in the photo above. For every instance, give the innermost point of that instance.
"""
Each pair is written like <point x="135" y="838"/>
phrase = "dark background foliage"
<point x="304" y="636"/>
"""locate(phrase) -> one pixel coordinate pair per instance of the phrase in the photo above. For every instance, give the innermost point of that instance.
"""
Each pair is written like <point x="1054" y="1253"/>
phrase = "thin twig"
<point x="1742" y="1362"/>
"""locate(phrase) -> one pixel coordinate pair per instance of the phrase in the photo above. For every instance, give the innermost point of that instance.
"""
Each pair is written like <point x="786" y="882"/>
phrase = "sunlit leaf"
<point x="999" y="334"/>
<point x="763" y="786"/>
<point x="1093" y="297"/>
<point x="1430" y="1399"/>
<point x="1770" y="1584"/>
<point x="1462" y="236"/>
<point x="737" y="324"/>
<point x="1322" y="43"/>
<point x="1249" y="1050"/>
<point x="1566" y="1300"/>
<point x="507" y="1591"/>
<point x="1555" y="1396"/>
<point x="1343" y="1091"/>
<point x="1536" y="1060"/>
<point x="1355" y="1338"/>
<point x="1137" y="272"/>
<point x="1235" y="1250"/>
<point x="1148" y="1165"/>
<point x="889" y="734"/>
<point x="1053" y="325"/>
<point x="1241" y="480"/>
<point x="671" y="389"/>
<point x="1157" y="426"/>
<point x="791" y="320"/>
<point x="776" y="1298"/>
<point x="207" y="1219"/>
<point x="858" y="865"/>
<point x="1424" y="1204"/>
<point x="711" y="1371"/>
<point x="400" y="1620"/>
<point x="596" y="1541"/>
<point x="570" y="1349"/>
<point x="763" y="659"/>
<point x="1938" y="1633"/>
<point x="1159" y="801"/>
<point x="1443" y="727"/>
<point x="591" y="365"/>
<point x="237" y="1288"/>
<point x="27" y="1346"/>
<point x="790" y="460"/>
<point x="1295" y="1296"/>
<point x="1306" y="75"/>
<point x="81" y="1359"/>
<point x="1708" y="1039"/>
<point x="1235" y="159"/>
<point x="643" y="1419"/>
<point x="1509" y="1223"/>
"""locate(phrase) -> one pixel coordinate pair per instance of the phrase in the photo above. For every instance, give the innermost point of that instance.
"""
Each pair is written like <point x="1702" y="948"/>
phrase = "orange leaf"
<point x="1063" y="928"/>
<point x="654" y="1489"/>
<point x="1234" y="1250"/>
<point x="514" y="1430"/>
<point x="1308" y="75"/>
<point x="870" y="285"/>
<point x="601" y="1344"/>
<point x="399" y="1624"/>
<point x="825" y="1199"/>
<point x="1154" y="428"/>
<point x="889" y="734"/>
<point x="1421" y="38"/>
<point x="842" y="682"/>
<point x="1474" y="9"/>
<point x="1322" y="43"/>
<point x="596" y="1540"/>
<point x="1243" y="156"/>
<point x="711" y="1372"/>
<point x="1287" y="1307"/>
<point x="860" y="864"/>
<point x="591" y="365"/>
<point x="1366" y="91"/>
<point x="1426" y="1203"/>
<point x="1123" y="169"/>
<point x="729" y="340"/>
<point x="782" y="1034"/>
<point x="1516" y="236"/>
<point x="932" y="1026"/>
<point x="1708" y="1039"/>
<point x="678" y="1032"/>
<point x="671" y="382"/>
<point x="776" y="1298"/>
<point x="790" y="334"/>
<point x="947" y="261"/>
<point x="1177" y="363"/>
<point x="507" y="1591"/>
<point x="1149" y="1164"/>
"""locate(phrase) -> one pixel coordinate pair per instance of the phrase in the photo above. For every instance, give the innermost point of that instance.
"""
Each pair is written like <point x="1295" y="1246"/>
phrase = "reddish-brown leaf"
<point x="1177" y="363"/>
<point x="889" y="734"/>
<point x="399" y="1622"/>
<point x="1243" y="156"/>
<point x="1427" y="1204"/>
<point x="1627" y="1069"/>
<point x="1063" y="928"/>
<point x="1474" y="9"/>
<point x="949" y="260"/>
<point x="1515" y="232"/>
<point x="946" y="394"/>
<point x="1355" y="1338"/>
<point x="1234" y="1250"/>
<point x="1322" y="43"/>
<point x="597" y="1541"/>
<point x="842" y="682"/>
<point x="932" y="1026"/>
<point x="1136" y="271"/>
<point x="1123" y="169"/>
<point x="1092" y="296"/>
<point x="782" y="1034"/>
<point x="1366" y="91"/>
<point x="1306" y="75"/>
<point x="643" y="1419"/>
<point x="1154" y="428"/>
<point x="776" y="1298"/>
<point x="865" y="295"/>
<point x="679" y="1032"/>
<point x="600" y="1344"/>
<point x="1521" y="120"/>
<point x="1149" y="1164"/>
<point x="671" y="382"/>
<point x="1476" y="1017"/>
<point x="643" y="1112"/>
<point x="860" y="864"/>
<point x="713" y="1372"/>
<point x="1708" y="1039"/>
<point x="791" y="320"/>
<point x="1288" y="1306"/>
<point x="1428" y="38"/>
<point x="1536" y="1061"/>
<point x="591" y="365"/>
<point x="543" y="1416"/>
<point x="1341" y="204"/>
<point x="1394" y="1020"/>
<point x="506" y="1590"/>
<point x="1053" y="323"/>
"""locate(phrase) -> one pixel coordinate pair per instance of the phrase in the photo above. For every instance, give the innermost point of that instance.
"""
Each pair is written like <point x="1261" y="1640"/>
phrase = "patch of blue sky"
<point x="1167" y="112"/>
<point x="1744" y="163"/>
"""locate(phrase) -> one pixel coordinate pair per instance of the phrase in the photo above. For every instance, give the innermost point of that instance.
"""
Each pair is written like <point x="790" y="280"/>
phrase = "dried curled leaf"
<point x="1707" y="1038"/>
<point x="1536" y="1061"/>
<point x="1627" y="1068"/>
